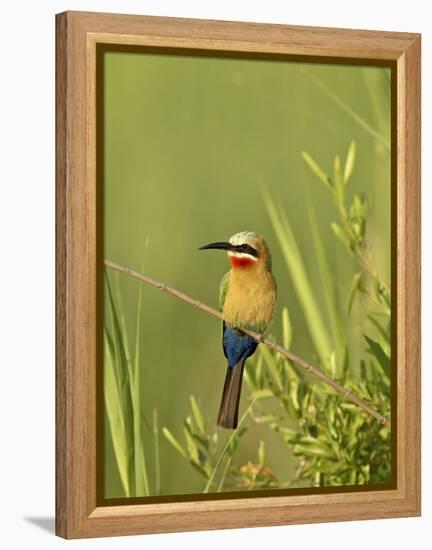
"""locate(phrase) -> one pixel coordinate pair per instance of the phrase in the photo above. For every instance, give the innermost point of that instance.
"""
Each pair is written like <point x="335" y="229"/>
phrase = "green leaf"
<point x="122" y="374"/>
<point x="141" y="478"/>
<point x="202" y="439"/>
<point x="116" y="421"/>
<point x="333" y="366"/>
<point x="345" y="361"/>
<point x="232" y="447"/>
<point x="267" y="419"/>
<point x="341" y="235"/>
<point x="326" y="468"/>
<point x="299" y="274"/>
<point x="353" y="477"/>
<point x="331" y="428"/>
<point x="271" y="362"/>
<point x="261" y="453"/>
<point x="259" y="369"/>
<point x="358" y="207"/>
<point x="326" y="277"/>
<point x="290" y="409"/>
<point x="286" y="328"/>
<point x="294" y="384"/>
<point x="312" y="450"/>
<point x="156" y="450"/>
<point x="191" y="445"/>
<point x="339" y="182"/>
<point x="380" y="328"/>
<point x="379" y="355"/>
<point x="355" y="286"/>
<point x="287" y="432"/>
<point x="261" y="394"/>
<point x="302" y="390"/>
<point x="349" y="163"/>
<point x="248" y="377"/>
<point x="197" y="414"/>
<point x="382" y="292"/>
<point x="202" y="470"/>
<point x="317" y="171"/>
<point x="169" y="437"/>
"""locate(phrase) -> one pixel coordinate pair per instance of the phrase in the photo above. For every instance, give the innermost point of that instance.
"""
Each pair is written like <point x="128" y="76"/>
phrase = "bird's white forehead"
<point x="241" y="238"/>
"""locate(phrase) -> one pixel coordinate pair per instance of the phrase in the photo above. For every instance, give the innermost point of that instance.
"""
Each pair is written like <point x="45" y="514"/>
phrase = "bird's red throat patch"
<point x="237" y="261"/>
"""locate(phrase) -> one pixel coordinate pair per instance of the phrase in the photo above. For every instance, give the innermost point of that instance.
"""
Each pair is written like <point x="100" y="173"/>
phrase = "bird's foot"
<point x="260" y="339"/>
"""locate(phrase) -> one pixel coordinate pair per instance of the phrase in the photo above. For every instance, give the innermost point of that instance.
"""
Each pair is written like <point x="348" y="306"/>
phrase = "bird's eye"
<point x="244" y="246"/>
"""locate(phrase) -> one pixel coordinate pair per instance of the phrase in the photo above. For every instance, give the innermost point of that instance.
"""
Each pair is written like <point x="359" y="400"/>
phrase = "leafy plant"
<point x="334" y="442"/>
<point x="122" y="397"/>
<point x="213" y="458"/>
<point x="351" y="227"/>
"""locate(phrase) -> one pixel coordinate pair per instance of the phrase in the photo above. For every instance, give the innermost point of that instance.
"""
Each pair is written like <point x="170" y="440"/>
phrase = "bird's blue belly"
<point x="237" y="345"/>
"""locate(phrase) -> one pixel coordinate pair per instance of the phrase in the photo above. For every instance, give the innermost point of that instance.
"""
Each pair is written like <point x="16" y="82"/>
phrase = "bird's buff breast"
<point x="250" y="301"/>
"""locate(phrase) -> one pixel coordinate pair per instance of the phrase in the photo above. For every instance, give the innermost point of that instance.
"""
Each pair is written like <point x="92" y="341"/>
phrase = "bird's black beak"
<point x="217" y="246"/>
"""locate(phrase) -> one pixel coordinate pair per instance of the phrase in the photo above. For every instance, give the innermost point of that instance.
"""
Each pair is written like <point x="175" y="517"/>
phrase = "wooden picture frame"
<point x="78" y="513"/>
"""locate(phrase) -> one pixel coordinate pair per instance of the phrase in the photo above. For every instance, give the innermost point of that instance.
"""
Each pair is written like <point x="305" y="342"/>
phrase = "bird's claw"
<point x="260" y="339"/>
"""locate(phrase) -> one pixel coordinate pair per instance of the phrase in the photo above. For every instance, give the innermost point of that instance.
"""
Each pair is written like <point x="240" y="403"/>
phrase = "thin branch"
<point x="314" y="371"/>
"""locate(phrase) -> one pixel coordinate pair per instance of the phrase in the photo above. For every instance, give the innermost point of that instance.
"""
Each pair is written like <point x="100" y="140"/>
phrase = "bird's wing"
<point x="223" y="289"/>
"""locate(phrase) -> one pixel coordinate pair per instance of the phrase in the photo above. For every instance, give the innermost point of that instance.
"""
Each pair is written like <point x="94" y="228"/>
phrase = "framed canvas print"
<point x="238" y="274"/>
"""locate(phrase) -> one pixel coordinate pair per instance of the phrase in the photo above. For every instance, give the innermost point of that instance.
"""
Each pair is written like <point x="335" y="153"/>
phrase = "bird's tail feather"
<point x="228" y="410"/>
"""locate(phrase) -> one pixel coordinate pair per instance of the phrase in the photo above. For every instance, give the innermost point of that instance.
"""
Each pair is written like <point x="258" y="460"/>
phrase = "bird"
<point x="247" y="300"/>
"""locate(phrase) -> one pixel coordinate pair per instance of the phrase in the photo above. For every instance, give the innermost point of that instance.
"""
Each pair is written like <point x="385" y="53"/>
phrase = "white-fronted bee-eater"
<point x="247" y="299"/>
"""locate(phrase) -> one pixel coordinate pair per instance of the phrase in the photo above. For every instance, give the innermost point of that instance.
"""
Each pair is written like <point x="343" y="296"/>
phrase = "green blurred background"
<point x="189" y="142"/>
